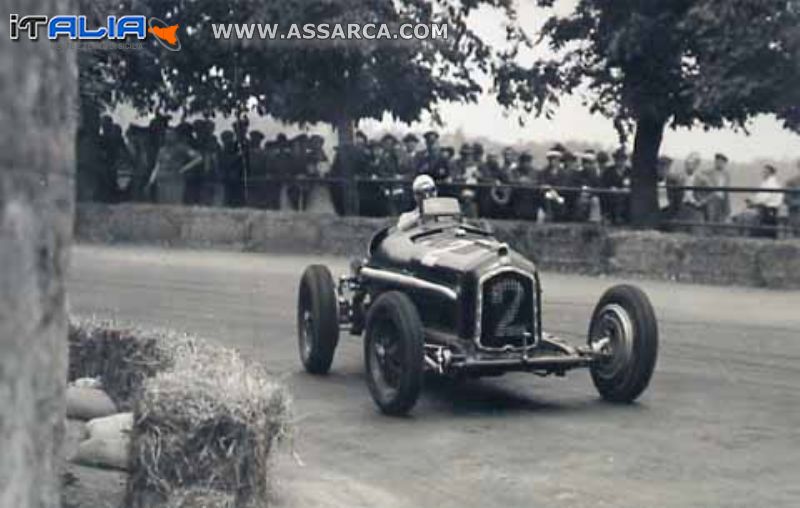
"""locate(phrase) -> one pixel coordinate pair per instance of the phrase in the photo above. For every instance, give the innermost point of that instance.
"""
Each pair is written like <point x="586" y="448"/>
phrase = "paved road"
<point x="719" y="426"/>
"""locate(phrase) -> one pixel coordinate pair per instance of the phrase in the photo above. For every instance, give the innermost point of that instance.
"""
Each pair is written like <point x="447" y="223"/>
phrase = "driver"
<point x="423" y="187"/>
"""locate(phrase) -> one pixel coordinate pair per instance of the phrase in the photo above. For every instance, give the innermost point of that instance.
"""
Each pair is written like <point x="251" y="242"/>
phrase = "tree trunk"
<point x="345" y="130"/>
<point x="645" y="213"/>
<point x="37" y="135"/>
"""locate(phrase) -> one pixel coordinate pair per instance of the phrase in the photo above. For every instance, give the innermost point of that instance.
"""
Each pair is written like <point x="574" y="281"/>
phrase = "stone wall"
<point x="588" y="249"/>
<point x="37" y="105"/>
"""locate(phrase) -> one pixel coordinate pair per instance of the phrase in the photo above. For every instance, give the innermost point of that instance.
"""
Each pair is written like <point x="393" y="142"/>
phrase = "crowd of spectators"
<point x="188" y="164"/>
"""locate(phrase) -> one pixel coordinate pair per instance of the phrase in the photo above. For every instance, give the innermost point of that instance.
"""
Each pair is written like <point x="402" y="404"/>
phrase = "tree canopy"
<point x="302" y="82"/>
<point x="652" y="64"/>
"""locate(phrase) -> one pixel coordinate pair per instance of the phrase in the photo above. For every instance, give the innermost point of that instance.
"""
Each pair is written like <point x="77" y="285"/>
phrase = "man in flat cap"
<point x="553" y="176"/>
<point x="587" y="178"/>
<point x="526" y="200"/>
<point x="431" y="161"/>
<point x="616" y="179"/>
<point x="406" y="154"/>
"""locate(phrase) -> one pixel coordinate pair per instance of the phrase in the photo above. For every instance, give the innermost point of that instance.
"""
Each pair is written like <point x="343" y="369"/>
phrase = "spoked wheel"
<point x="624" y="327"/>
<point x="394" y="353"/>
<point x="317" y="319"/>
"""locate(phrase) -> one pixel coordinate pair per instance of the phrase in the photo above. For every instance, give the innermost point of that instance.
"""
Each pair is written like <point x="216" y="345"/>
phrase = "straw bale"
<point x="209" y="423"/>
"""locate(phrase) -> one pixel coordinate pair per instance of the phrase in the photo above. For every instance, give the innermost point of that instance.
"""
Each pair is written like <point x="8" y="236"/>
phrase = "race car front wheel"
<point x="624" y="328"/>
<point x="317" y="319"/>
<point x="394" y="353"/>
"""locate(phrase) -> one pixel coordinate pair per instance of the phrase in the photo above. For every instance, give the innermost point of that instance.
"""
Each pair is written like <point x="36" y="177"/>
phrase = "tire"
<point x="394" y="348"/>
<point x="626" y="316"/>
<point x="317" y="319"/>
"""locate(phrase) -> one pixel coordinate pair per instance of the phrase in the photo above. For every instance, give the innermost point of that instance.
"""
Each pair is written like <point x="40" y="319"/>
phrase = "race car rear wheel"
<point x="624" y="327"/>
<point x="317" y="319"/>
<point x="394" y="353"/>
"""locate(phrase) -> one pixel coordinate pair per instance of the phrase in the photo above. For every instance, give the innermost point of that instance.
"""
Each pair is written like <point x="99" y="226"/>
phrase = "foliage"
<point x="712" y="62"/>
<point x="299" y="82"/>
<point x="649" y="64"/>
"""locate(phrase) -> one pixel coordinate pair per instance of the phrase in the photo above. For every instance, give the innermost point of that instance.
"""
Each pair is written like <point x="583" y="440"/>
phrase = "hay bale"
<point x="200" y="498"/>
<point x="122" y="358"/>
<point x="209" y="423"/>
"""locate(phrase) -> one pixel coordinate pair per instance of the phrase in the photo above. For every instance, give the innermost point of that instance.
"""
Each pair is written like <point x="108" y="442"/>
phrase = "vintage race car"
<point x="444" y="296"/>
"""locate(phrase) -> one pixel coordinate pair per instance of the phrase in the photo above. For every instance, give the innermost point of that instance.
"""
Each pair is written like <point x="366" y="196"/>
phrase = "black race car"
<point x="445" y="296"/>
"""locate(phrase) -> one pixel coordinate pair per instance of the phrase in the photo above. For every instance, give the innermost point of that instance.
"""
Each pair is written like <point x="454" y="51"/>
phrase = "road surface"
<point x="719" y="425"/>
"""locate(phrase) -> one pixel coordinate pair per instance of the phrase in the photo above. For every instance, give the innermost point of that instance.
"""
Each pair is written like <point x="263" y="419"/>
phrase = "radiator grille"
<point x="507" y="316"/>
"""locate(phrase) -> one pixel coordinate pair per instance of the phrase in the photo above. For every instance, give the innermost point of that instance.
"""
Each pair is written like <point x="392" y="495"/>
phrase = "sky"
<point x="767" y="137"/>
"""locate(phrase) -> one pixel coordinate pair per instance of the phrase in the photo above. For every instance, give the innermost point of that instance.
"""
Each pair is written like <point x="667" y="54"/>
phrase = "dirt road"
<point x="719" y="426"/>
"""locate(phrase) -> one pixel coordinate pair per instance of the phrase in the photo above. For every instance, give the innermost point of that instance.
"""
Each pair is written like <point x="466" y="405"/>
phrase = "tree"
<point x="37" y="97"/>
<point x="651" y="64"/>
<point x="334" y="81"/>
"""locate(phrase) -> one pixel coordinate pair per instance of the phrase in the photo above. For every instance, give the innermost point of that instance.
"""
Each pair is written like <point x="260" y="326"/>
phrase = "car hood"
<point x="444" y="252"/>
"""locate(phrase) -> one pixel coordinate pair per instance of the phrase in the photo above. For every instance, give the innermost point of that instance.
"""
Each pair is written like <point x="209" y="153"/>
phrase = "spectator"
<point x="525" y="199"/>
<point x="388" y="163"/>
<point x="349" y="165"/>
<point x="212" y="191"/>
<point x="390" y="169"/>
<point x="113" y="153"/>
<point x="553" y="176"/>
<point x="297" y="171"/>
<point x="370" y="194"/>
<point x="719" y="203"/>
<point x="430" y="161"/>
<point x="572" y="180"/>
<point x="792" y="201"/>
<point x="138" y="140"/>
<point x="478" y="152"/>
<point x="194" y="178"/>
<point x="175" y="158"/>
<point x="466" y="171"/>
<point x="693" y="206"/>
<point x="258" y="186"/>
<point x="318" y="165"/>
<point x="587" y="178"/>
<point x="675" y="194"/>
<point x="405" y="156"/>
<point x="510" y="164"/>
<point x="664" y="170"/>
<point x="231" y="165"/>
<point x="767" y="204"/>
<point x="615" y="204"/>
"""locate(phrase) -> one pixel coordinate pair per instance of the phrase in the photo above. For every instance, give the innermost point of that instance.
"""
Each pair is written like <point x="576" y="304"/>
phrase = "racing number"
<point x="502" y="293"/>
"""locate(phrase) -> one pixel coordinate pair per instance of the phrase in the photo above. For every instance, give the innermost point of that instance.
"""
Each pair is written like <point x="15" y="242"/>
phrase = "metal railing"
<point x="783" y="226"/>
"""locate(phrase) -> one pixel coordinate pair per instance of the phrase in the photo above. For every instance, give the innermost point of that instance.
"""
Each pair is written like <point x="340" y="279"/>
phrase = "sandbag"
<point x="88" y="382"/>
<point x="116" y="426"/>
<point x="88" y="403"/>
<point x="105" y="453"/>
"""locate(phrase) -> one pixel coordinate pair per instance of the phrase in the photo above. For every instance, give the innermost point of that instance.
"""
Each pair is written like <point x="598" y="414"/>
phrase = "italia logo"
<point x="77" y="28"/>
<point x="166" y="35"/>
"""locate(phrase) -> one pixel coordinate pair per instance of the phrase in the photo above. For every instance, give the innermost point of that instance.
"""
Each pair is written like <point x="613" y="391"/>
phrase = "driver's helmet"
<point x="424" y="187"/>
